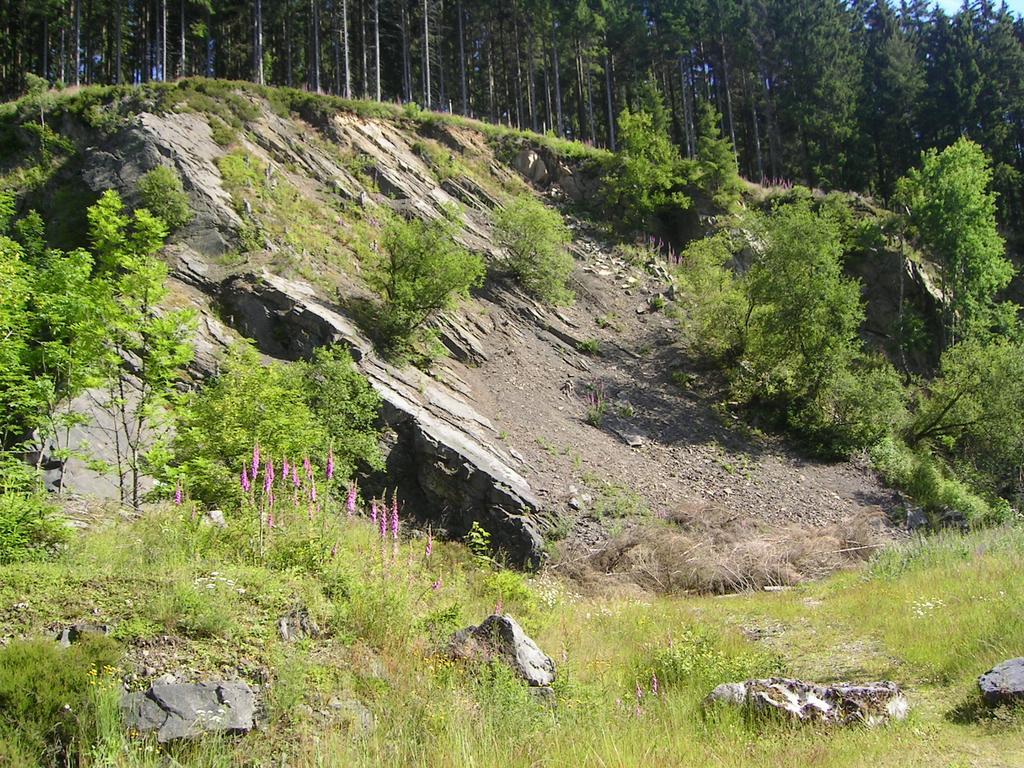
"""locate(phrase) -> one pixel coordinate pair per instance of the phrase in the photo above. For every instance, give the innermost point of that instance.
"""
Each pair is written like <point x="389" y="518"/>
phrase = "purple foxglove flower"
<point x="499" y="607"/>
<point x="270" y="520"/>
<point x="654" y="684"/>
<point x="177" y="493"/>
<point x="330" y="465"/>
<point x="350" y="503"/>
<point x="312" y="492"/>
<point x="285" y="469"/>
<point x="384" y="523"/>
<point x="308" y="467"/>
<point x="268" y="476"/>
<point x="639" y="693"/>
<point x="246" y="485"/>
<point x="430" y="544"/>
<point x="255" y="460"/>
<point x="394" y="521"/>
<point x="437" y="584"/>
<point x="295" y="477"/>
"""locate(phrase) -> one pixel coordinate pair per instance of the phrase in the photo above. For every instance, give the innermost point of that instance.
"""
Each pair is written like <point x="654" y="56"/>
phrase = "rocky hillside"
<point x="286" y="205"/>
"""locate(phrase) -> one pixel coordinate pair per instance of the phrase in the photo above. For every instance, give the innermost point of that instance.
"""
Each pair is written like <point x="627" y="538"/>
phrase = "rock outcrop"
<point x="444" y="457"/>
<point x="501" y="637"/>
<point x="1004" y="683"/>
<point x="839" y="704"/>
<point x="182" y="710"/>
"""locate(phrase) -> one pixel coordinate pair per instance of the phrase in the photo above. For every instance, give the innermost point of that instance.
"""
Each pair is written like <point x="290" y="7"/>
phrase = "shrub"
<point x="29" y="527"/>
<point x="536" y="237"/>
<point x="163" y="194"/>
<point x="292" y="411"/>
<point x="422" y="271"/>
<point x="48" y="706"/>
<point x="717" y="306"/>
<point x="700" y="659"/>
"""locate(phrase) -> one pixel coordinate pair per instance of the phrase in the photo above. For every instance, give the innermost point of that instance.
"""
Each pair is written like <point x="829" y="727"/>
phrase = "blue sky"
<point x="1017" y="6"/>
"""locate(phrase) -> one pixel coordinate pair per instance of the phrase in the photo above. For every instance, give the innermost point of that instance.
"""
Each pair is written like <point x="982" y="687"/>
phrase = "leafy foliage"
<point x="294" y="411"/>
<point x="536" y="238"/>
<point x="422" y="270"/>
<point x="953" y="212"/>
<point x="647" y="174"/>
<point x="162" y="193"/>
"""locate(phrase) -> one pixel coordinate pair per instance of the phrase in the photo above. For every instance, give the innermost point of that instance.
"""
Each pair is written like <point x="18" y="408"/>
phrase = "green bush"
<point x="422" y="270"/>
<point x="292" y="411"/>
<point x="535" y="238"/>
<point x="715" y="301"/>
<point x="29" y="527"/>
<point x="48" y="699"/>
<point x="700" y="659"/>
<point x="163" y="194"/>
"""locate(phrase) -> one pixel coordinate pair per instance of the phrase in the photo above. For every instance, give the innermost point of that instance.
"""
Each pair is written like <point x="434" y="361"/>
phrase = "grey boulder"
<point x="840" y="703"/>
<point x="501" y="637"/>
<point x="76" y="632"/>
<point x="1004" y="683"/>
<point x="183" y="710"/>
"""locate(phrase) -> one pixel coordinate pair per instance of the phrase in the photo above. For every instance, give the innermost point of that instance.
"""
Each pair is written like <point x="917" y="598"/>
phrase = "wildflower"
<point x="334" y="550"/>
<point x="285" y="468"/>
<point x="384" y="524"/>
<point x="394" y="520"/>
<point x="268" y="475"/>
<point x="270" y="520"/>
<point x="373" y="512"/>
<point x="295" y="477"/>
<point x="430" y="544"/>
<point x="639" y="693"/>
<point x="177" y="493"/>
<point x="654" y="683"/>
<point x="330" y="464"/>
<point x="499" y="607"/>
<point x="437" y="584"/>
<point x="350" y="503"/>
<point x="308" y="467"/>
<point x="246" y="485"/>
<point x="312" y="492"/>
<point x="255" y="460"/>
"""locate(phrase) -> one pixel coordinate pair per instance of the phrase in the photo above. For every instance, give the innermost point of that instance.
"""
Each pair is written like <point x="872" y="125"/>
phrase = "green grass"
<point x="931" y="614"/>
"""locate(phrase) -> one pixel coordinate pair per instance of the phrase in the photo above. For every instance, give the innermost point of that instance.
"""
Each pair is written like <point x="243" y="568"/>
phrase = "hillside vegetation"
<point x="351" y="362"/>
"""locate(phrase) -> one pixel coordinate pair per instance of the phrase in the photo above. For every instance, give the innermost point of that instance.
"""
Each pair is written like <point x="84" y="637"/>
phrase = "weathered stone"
<point x="445" y="452"/>
<point x="296" y="625"/>
<point x="530" y="165"/>
<point x="1004" y="683"/>
<point x="178" y="711"/>
<point x="840" y="703"/>
<point x="75" y="632"/>
<point x="354" y="716"/>
<point x="500" y="636"/>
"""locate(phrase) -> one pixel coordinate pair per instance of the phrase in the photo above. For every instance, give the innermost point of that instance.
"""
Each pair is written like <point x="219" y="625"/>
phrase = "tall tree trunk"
<point x="426" y="54"/>
<point x="686" y="86"/>
<point x="336" y="47"/>
<point x="406" y="62"/>
<point x="257" y="46"/>
<point x="376" y="45"/>
<point x="78" y="42"/>
<point x="365" y="73"/>
<point x="608" y="97"/>
<point x="531" y="83"/>
<point x="519" y="71"/>
<point x="314" y="42"/>
<point x="581" y="115"/>
<point x="462" y="62"/>
<point x="442" y="97"/>
<point x="758" y="159"/>
<point x="345" y="48"/>
<point x="181" y="24"/>
<point x="728" y="94"/>
<point x="590" y="107"/>
<point x="558" y="81"/>
<point x="163" y="40"/>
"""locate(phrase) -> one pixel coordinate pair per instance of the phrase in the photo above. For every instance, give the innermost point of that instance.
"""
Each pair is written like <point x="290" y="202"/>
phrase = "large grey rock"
<point x="530" y="165"/>
<point x="1004" y="683"/>
<point x="445" y="456"/>
<point x="296" y="625"/>
<point x="500" y="636"/>
<point x="178" y="711"/>
<point x="840" y="703"/>
<point x="72" y="634"/>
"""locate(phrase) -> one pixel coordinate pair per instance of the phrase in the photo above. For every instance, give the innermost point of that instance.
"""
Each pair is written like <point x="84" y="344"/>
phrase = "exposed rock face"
<point x="296" y="625"/>
<point x="529" y="164"/>
<point x="1004" y="683"/>
<point x="540" y="167"/>
<point x="840" y="704"/>
<point x="178" y="711"/>
<point x="502" y="637"/>
<point x="75" y="632"/>
<point x="444" y="459"/>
